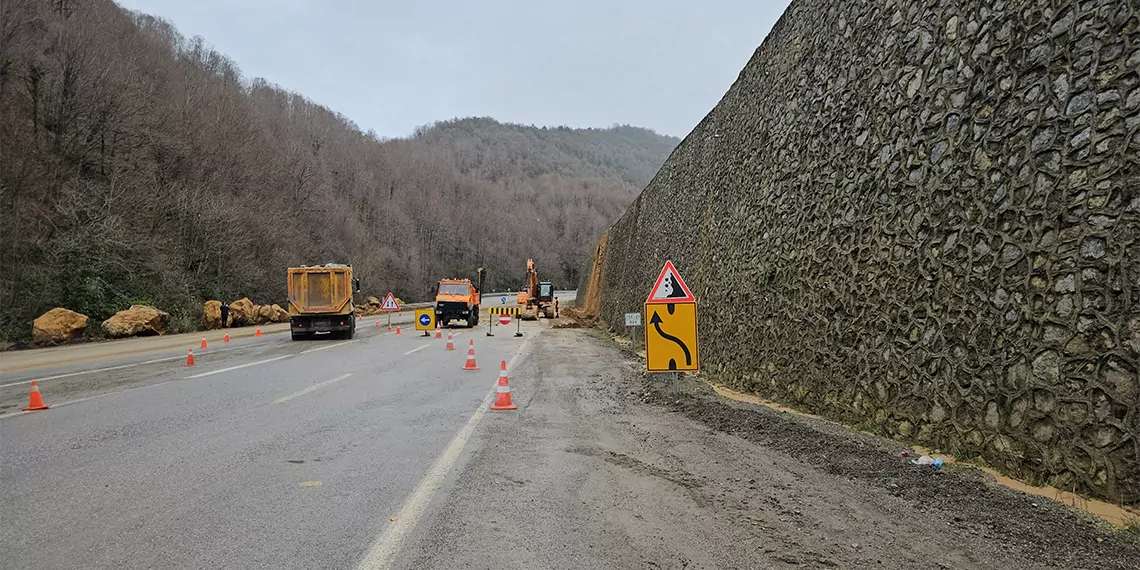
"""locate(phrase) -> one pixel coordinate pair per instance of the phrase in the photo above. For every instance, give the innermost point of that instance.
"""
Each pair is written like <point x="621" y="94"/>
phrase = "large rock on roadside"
<point x="139" y="320"/>
<point x="243" y="313"/>
<point x="212" y="315"/>
<point x="271" y="314"/>
<point x="57" y="326"/>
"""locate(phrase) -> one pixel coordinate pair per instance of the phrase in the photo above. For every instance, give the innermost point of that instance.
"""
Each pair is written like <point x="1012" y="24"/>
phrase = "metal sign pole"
<point x="490" y="323"/>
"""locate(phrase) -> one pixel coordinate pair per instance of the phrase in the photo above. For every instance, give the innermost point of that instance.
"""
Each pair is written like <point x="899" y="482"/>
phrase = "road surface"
<point x="381" y="453"/>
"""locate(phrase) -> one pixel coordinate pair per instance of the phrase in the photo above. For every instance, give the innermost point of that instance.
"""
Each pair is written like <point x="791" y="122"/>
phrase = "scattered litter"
<point x="1099" y="540"/>
<point x="907" y="452"/>
<point x="393" y="519"/>
<point x="927" y="460"/>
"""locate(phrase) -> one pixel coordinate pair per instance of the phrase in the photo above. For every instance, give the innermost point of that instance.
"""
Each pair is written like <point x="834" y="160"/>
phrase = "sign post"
<point x="671" y="342"/>
<point x="632" y="320"/>
<point x="490" y="323"/>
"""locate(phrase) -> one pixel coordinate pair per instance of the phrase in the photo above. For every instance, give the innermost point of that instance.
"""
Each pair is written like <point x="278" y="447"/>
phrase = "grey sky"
<point x="392" y="66"/>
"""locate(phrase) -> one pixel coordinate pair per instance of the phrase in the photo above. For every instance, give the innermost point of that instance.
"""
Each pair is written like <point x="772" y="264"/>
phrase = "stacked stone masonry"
<point x="923" y="216"/>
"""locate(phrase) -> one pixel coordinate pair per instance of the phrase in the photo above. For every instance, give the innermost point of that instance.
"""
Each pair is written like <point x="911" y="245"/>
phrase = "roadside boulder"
<point x="279" y="315"/>
<point x="271" y="314"/>
<point x="243" y="313"/>
<point x="212" y="315"/>
<point x="139" y="320"/>
<point x="57" y="326"/>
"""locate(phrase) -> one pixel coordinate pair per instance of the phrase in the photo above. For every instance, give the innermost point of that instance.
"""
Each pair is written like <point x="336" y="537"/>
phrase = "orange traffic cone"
<point x="258" y="333"/>
<point x="226" y="338"/>
<point x="397" y="330"/>
<point x="377" y="324"/>
<point x="190" y="358"/>
<point x="503" y="392"/>
<point x="203" y="343"/>
<point x="438" y="333"/>
<point x="450" y="344"/>
<point x="35" y="401"/>
<point x="471" y="357"/>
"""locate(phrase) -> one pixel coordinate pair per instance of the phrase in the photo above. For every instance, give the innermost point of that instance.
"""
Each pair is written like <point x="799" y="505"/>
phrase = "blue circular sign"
<point x="502" y="300"/>
<point x="425" y="319"/>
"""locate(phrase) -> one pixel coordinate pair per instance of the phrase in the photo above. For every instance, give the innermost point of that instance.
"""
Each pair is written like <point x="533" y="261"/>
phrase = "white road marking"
<point x="211" y="373"/>
<point x="387" y="544"/>
<point x="120" y="367"/>
<point x="416" y="349"/>
<point x="311" y="388"/>
<point x="69" y="402"/>
<point x="327" y="347"/>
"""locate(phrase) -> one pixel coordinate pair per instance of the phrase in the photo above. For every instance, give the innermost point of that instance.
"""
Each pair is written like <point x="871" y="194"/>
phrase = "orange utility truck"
<point x="320" y="301"/>
<point x="459" y="299"/>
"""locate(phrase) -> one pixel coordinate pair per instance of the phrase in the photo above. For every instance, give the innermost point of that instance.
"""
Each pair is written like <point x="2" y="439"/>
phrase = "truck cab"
<point x="458" y="299"/>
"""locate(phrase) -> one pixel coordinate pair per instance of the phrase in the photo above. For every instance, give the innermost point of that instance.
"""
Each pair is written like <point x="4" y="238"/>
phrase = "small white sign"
<point x="633" y="319"/>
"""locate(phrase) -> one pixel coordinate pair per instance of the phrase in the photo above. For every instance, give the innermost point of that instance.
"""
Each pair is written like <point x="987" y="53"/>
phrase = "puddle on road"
<point x="1115" y="514"/>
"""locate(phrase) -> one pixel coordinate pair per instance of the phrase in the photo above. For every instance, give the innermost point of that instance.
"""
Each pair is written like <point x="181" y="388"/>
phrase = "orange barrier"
<point x="190" y="358"/>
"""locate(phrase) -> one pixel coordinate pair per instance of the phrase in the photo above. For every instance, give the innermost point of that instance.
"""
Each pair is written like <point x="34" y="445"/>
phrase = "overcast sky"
<point x="391" y="66"/>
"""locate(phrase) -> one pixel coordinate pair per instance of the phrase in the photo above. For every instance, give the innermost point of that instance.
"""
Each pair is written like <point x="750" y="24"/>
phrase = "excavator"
<point x="539" y="296"/>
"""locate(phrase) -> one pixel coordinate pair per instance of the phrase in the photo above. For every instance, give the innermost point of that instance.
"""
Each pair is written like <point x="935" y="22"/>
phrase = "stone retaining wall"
<point x="923" y="216"/>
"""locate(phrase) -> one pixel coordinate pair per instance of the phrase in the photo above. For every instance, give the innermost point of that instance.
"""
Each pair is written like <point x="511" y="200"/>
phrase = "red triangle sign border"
<point x="389" y="303"/>
<point x="667" y="270"/>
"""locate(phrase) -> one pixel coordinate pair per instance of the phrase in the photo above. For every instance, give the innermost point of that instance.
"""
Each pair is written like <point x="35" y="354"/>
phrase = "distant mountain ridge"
<point x="141" y="166"/>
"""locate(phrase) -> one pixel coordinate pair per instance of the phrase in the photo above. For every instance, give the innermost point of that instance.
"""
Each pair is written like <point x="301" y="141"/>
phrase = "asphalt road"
<point x="381" y="453"/>
<point x="268" y="453"/>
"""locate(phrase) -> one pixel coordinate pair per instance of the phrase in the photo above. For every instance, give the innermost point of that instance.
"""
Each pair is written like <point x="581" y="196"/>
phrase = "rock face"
<point x="212" y="315"/>
<point x="892" y="220"/>
<point x="139" y="320"/>
<point x="243" y="313"/>
<point x="57" y="326"/>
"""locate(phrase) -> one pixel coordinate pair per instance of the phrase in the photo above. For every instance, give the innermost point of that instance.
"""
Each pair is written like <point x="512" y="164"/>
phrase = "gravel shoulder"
<point x="602" y="467"/>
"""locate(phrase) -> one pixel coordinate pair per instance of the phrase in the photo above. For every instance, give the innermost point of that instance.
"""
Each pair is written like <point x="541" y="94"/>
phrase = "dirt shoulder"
<point x="603" y="468"/>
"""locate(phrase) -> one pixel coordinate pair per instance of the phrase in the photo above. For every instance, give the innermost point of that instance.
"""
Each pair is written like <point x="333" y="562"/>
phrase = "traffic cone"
<point x="258" y="333"/>
<point x="35" y="401"/>
<point x="226" y="338"/>
<point x="438" y="333"/>
<point x="190" y="358"/>
<point x="503" y="392"/>
<point x="397" y="330"/>
<point x="377" y="324"/>
<point x="203" y="343"/>
<point x="450" y="344"/>
<point x="471" y="357"/>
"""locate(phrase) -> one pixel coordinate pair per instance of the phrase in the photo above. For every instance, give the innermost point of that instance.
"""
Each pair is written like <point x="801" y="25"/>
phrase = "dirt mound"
<point x="576" y="317"/>
<point x="57" y="326"/>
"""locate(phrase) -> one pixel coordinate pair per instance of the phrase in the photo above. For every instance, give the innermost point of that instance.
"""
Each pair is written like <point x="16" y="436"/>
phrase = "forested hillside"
<point x="139" y="165"/>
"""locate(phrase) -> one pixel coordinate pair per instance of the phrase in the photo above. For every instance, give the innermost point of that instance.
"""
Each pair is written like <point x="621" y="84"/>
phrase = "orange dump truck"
<point x="320" y="301"/>
<point x="459" y="299"/>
